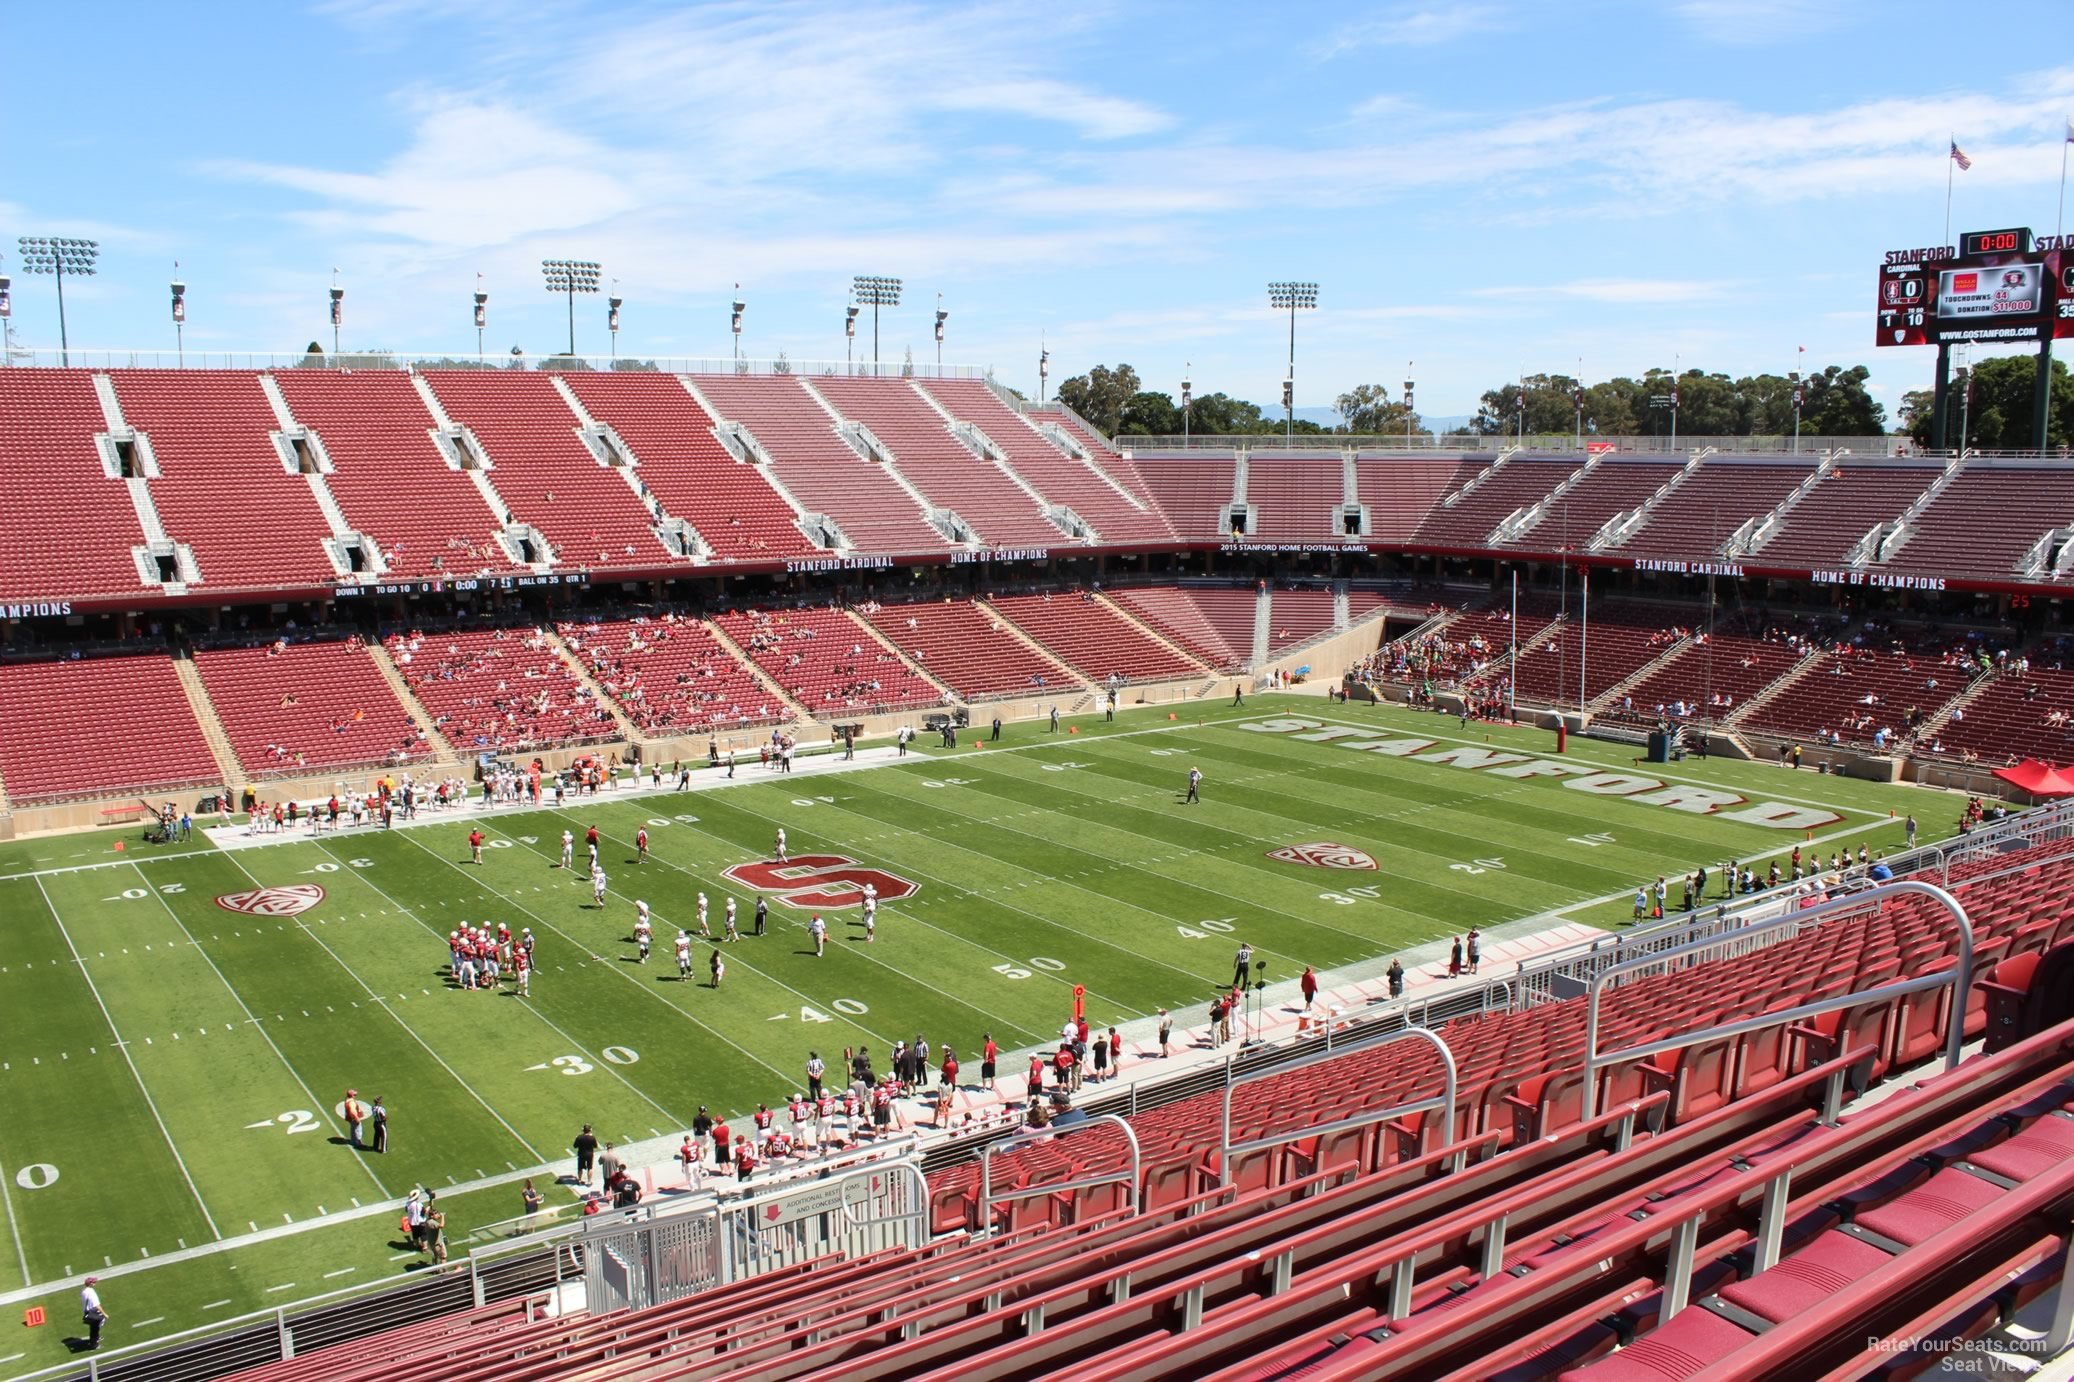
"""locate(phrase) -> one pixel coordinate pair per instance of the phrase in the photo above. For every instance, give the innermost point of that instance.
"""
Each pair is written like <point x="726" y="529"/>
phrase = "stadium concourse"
<point x="1741" y="1137"/>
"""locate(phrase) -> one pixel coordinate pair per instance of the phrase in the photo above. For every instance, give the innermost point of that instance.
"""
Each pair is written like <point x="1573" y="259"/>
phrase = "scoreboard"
<point x="1999" y="287"/>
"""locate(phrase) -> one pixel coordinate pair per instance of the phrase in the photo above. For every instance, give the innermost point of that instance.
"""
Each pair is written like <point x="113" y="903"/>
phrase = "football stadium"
<point x="547" y="864"/>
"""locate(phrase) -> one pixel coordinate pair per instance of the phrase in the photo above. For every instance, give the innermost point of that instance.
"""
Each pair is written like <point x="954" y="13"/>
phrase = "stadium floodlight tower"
<point x="1409" y="382"/>
<point x="482" y="316"/>
<point x="941" y="316"/>
<point x="179" y="315"/>
<point x="1292" y="296"/>
<point x="875" y="291"/>
<point x="613" y="302"/>
<point x="735" y="325"/>
<point x="570" y="277"/>
<point x="850" y="338"/>
<point x="1187" y="399"/>
<point x="338" y="314"/>
<point x="59" y="256"/>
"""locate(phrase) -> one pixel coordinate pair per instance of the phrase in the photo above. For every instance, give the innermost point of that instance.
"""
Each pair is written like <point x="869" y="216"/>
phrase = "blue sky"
<point x="1482" y="188"/>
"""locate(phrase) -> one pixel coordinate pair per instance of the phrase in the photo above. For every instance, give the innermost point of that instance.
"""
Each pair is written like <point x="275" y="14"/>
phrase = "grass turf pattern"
<point x="171" y="1071"/>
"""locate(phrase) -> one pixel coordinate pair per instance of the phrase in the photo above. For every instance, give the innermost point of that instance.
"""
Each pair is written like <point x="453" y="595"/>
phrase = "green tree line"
<point x="1835" y="402"/>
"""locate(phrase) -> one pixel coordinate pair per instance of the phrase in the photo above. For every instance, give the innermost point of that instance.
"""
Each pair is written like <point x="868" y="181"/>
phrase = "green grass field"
<point x="170" y="1070"/>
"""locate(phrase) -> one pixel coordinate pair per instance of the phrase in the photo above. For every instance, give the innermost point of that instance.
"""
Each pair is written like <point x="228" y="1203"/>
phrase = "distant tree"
<point x="1369" y="409"/>
<point x="1150" y="415"/>
<point x="1838" y="405"/>
<point x="1917" y="412"/>
<point x="1101" y="393"/>
<point x="312" y="357"/>
<point x="781" y="365"/>
<point x="1221" y="415"/>
<point x="572" y="364"/>
<point x="2000" y="416"/>
<point x="627" y="364"/>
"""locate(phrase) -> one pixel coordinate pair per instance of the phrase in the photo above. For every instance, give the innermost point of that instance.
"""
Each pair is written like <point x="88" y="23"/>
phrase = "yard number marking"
<point x="295" y="1120"/>
<point x="1478" y="866"/>
<point x="1219" y="924"/>
<point x="568" y="1065"/>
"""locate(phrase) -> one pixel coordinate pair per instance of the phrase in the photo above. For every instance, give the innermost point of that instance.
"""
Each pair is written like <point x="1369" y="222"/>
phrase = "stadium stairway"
<point x="442" y="751"/>
<point x="763" y="678"/>
<point x="628" y="730"/>
<point x="1780" y="685"/>
<point x="228" y="768"/>
<point x="1150" y="632"/>
<point x="1612" y="694"/>
<point x="914" y="668"/>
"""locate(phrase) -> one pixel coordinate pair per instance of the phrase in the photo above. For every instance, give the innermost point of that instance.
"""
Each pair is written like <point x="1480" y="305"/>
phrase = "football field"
<point x="178" y="1028"/>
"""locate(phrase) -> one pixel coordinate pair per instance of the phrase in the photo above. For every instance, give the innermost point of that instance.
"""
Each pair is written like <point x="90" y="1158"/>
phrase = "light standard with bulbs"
<point x="570" y="277"/>
<point x="1187" y="405"/>
<point x="875" y="291"/>
<point x="338" y="314"/>
<point x="940" y="315"/>
<point x="482" y="316"/>
<point x="850" y="339"/>
<point x="734" y="324"/>
<point x="60" y="255"/>
<point x="1293" y="296"/>
<point x="613" y="302"/>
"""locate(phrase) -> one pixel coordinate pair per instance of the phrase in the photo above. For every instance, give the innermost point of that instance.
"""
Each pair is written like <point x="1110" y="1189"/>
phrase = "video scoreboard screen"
<point x="1998" y="288"/>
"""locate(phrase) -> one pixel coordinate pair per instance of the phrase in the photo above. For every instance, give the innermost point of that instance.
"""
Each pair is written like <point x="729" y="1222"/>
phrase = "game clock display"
<point x="1995" y="290"/>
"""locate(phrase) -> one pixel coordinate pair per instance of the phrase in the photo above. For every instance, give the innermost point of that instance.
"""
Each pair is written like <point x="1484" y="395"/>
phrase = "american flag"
<point x="1959" y="157"/>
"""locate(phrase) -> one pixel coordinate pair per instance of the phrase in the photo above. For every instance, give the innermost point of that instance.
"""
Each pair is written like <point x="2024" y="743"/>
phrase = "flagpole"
<point x="1951" y="166"/>
<point x="2064" y="144"/>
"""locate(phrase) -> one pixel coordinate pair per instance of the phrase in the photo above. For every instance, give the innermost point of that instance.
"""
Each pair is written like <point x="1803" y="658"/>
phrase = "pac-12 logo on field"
<point x="289" y="900"/>
<point x="820" y="881"/>
<point x="1324" y="854"/>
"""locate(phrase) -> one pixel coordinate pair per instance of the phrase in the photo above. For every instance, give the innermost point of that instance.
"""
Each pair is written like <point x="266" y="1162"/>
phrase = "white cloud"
<point x="1412" y="26"/>
<point x="1750" y="22"/>
<point x="1617" y="290"/>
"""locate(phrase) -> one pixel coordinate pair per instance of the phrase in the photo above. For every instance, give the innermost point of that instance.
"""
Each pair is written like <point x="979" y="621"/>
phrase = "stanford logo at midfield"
<point x="287" y="901"/>
<point x="820" y="881"/>
<point x="1323" y="854"/>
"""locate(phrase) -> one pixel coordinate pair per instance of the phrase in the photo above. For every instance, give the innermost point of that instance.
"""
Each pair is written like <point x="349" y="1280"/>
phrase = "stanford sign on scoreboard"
<point x="1997" y="287"/>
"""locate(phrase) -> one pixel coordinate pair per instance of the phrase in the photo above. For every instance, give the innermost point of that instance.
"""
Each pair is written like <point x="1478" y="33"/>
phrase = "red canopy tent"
<point x="2039" y="778"/>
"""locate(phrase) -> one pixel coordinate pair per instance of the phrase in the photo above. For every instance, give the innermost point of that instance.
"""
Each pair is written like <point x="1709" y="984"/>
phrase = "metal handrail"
<point x="1959" y="979"/>
<point x="987" y="1197"/>
<point x="1360" y="1120"/>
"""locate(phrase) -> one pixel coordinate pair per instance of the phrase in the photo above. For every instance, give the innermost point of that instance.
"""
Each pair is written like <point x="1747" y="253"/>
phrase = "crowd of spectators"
<point x="497" y="689"/>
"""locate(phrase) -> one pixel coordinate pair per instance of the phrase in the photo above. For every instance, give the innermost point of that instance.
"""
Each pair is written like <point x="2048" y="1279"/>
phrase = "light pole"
<point x="1291" y="296"/>
<point x="1043" y="371"/>
<point x="1187" y="404"/>
<point x="6" y="322"/>
<point x="482" y="316"/>
<point x="1407" y="403"/>
<point x="179" y="315"/>
<point x="338" y="315"/>
<point x="850" y="338"/>
<point x="1965" y="398"/>
<point x="570" y="277"/>
<point x="1674" y="404"/>
<point x="735" y="325"/>
<point x="613" y="302"/>
<point x="940" y="315"/>
<point x="59" y="256"/>
<point x="875" y="291"/>
<point x="1577" y="397"/>
<point x="1519" y="412"/>
<point x="1798" y="393"/>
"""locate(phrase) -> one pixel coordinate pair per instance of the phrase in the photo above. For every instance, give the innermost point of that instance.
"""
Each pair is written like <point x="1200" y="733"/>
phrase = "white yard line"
<point x="531" y="1150"/>
<point x="323" y="1109"/>
<point x="135" y="1074"/>
<point x="14" y="1230"/>
<point x="608" y="1066"/>
<point x="582" y="947"/>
